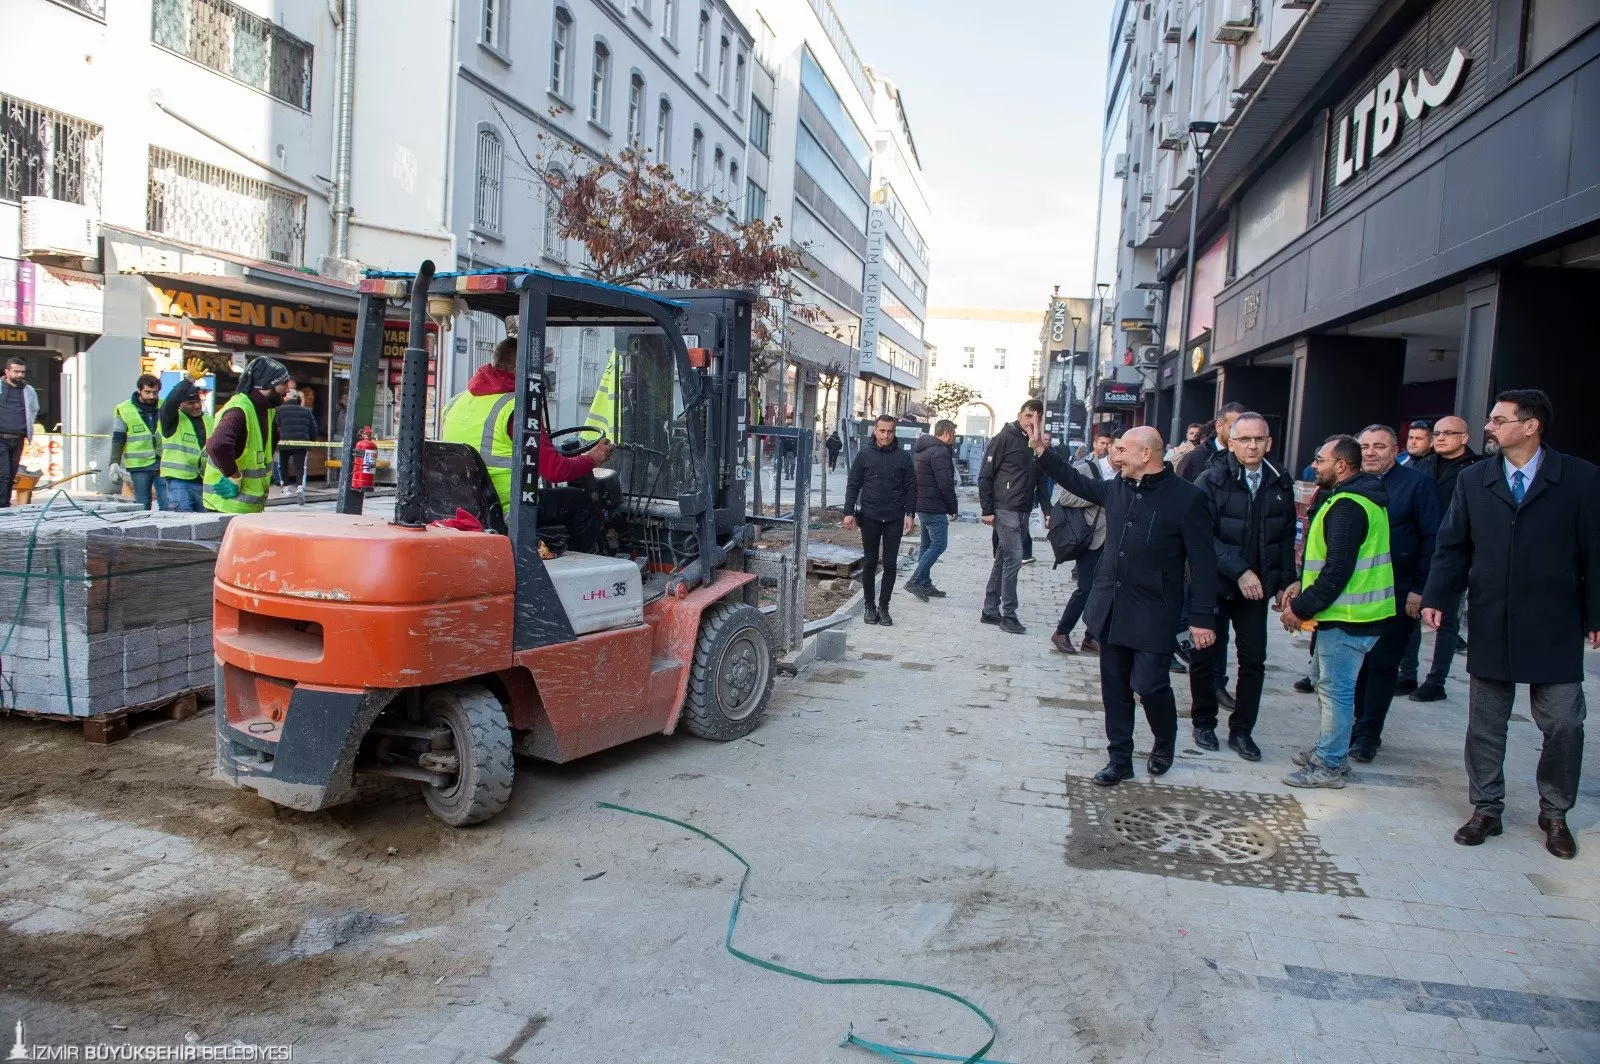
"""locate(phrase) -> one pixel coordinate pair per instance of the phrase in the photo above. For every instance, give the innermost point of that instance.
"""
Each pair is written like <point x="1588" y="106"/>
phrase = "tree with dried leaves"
<point x="642" y="228"/>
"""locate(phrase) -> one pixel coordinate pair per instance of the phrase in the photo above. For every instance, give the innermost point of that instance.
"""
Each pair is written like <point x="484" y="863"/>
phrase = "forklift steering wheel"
<point x="577" y="447"/>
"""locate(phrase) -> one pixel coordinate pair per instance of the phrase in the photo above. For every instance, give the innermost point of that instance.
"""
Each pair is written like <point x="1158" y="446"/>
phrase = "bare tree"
<point x="828" y="377"/>
<point x="948" y="397"/>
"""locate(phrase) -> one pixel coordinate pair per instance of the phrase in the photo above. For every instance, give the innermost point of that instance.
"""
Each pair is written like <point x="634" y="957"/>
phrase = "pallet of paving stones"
<point x="104" y="609"/>
<point x="107" y="728"/>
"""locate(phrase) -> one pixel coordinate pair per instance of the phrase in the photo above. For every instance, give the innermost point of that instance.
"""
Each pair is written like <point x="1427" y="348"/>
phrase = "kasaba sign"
<point x="1118" y="394"/>
<point x="245" y="322"/>
<point x="1378" y="113"/>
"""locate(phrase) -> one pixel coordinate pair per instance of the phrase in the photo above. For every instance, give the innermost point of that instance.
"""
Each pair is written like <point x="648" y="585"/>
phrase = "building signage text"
<point x="1119" y="394"/>
<point x="1058" y="321"/>
<point x="263" y="323"/>
<point x="872" y="289"/>
<point x="1373" y="125"/>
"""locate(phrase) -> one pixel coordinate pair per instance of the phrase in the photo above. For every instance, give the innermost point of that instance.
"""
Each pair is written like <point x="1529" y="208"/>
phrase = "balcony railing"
<point x="47" y="153"/>
<point x="199" y="203"/>
<point x="237" y="44"/>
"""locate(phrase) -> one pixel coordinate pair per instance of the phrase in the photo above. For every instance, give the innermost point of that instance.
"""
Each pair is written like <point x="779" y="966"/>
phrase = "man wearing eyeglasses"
<point x="1450" y="456"/>
<point x="1522" y="539"/>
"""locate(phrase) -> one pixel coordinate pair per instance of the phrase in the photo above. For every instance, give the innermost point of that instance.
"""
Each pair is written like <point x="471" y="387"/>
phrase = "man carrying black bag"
<point x="1066" y="518"/>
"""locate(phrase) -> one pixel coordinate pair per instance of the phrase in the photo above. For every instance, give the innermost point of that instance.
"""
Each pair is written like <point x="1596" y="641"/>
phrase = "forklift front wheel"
<point x="479" y="746"/>
<point x="732" y="673"/>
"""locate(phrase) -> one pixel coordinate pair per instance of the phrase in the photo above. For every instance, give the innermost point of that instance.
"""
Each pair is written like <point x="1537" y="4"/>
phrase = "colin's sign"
<point x="1372" y="125"/>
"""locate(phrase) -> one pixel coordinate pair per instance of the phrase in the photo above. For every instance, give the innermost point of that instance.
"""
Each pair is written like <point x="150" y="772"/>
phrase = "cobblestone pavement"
<point x="918" y="810"/>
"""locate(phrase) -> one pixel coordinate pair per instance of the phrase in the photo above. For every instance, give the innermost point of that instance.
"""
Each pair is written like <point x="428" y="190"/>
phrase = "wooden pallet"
<point x="106" y="728"/>
<point x="826" y="560"/>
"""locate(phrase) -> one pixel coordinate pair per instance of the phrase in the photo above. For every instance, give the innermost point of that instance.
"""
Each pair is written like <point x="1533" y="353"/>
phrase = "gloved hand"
<point x="227" y="488"/>
<point x="196" y="368"/>
<point x="118" y="474"/>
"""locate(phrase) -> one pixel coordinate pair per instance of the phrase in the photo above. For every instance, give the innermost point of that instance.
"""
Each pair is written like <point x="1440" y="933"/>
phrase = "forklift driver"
<point x="481" y="417"/>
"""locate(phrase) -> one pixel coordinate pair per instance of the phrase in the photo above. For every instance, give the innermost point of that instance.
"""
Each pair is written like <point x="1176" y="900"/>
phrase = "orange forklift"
<point x="352" y="644"/>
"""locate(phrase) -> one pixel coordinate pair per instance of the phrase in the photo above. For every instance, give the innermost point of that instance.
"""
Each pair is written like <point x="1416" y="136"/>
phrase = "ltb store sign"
<point x="1372" y="126"/>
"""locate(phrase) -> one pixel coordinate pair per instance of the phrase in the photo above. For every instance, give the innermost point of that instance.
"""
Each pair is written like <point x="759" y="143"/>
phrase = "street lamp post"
<point x="1066" y="387"/>
<point x="1197" y="130"/>
<point x="1099" y="325"/>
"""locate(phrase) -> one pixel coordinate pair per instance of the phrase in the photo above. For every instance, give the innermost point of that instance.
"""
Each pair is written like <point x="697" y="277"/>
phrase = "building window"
<point x="697" y="161"/>
<point x="486" y="200"/>
<point x="643" y="7"/>
<point x="600" y="86"/>
<point x="702" y="46"/>
<point x="971" y="359"/>
<point x="741" y="79"/>
<point x="755" y="201"/>
<point x="669" y="21"/>
<point x="555" y="246"/>
<point x="664" y="132"/>
<point x="764" y="41"/>
<point x="933" y="357"/>
<point x="999" y="358"/>
<point x="1552" y="23"/>
<point x="50" y="154"/>
<point x="734" y="196"/>
<point x="724" y="51"/>
<point x="202" y="204"/>
<point x="237" y="44"/>
<point x="760" y="126"/>
<point x="560" y="52"/>
<point x="719" y="165"/>
<point x="635" y="107"/>
<point x="496" y="15"/>
<point x="95" y="9"/>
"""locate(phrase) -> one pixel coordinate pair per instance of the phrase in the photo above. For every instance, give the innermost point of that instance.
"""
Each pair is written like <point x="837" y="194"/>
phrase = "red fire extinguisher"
<point x="366" y="462"/>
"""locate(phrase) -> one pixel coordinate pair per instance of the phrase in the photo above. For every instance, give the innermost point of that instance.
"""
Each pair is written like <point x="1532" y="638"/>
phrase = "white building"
<point x="170" y="172"/>
<point x="993" y="351"/>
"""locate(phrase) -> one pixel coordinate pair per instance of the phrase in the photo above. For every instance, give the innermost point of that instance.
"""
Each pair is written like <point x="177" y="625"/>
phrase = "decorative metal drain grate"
<point x="1201" y="834"/>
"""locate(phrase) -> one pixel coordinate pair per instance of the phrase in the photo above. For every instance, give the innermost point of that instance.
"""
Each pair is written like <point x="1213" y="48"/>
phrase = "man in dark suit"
<point x="1156" y="524"/>
<point x="1522" y="539"/>
<point x="1450" y="456"/>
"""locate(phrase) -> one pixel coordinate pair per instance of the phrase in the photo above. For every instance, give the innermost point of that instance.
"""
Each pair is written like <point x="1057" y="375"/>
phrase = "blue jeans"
<point x="184" y="496"/>
<point x="1336" y="661"/>
<point x="143" y="480"/>
<point x="935" y="538"/>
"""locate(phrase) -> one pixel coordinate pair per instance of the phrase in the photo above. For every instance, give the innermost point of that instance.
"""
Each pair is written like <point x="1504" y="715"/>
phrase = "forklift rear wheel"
<point x="480" y="745"/>
<point x="731" y="675"/>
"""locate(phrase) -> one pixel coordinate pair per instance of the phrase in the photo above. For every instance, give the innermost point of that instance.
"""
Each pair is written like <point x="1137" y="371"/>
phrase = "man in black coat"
<point x="1450" y="456"/>
<point x="1006" y="485"/>
<point x="1156" y="524"/>
<point x="882" y="488"/>
<point x="1522" y="539"/>
<point x="937" y="509"/>
<point x="1214" y="448"/>
<point x="1252" y="504"/>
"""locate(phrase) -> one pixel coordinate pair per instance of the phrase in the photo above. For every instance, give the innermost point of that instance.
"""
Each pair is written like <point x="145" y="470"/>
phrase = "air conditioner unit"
<point x="1152" y="300"/>
<point x="1149" y="357"/>
<point x="1171" y="28"/>
<point x="1170" y="132"/>
<point x="1238" y="22"/>
<point x="1147" y="89"/>
<point x="1130" y="32"/>
<point x="1119" y="165"/>
<point x="56" y="227"/>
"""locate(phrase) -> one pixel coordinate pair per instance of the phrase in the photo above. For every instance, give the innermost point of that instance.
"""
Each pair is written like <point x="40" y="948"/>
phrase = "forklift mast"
<point x="708" y="335"/>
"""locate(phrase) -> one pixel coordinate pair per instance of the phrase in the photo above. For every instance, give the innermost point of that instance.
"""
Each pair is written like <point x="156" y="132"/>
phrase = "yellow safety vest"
<point x="255" y="464"/>
<point x="142" y="450"/>
<point x="181" y="455"/>
<point x="1369" y="596"/>
<point x="484" y="422"/>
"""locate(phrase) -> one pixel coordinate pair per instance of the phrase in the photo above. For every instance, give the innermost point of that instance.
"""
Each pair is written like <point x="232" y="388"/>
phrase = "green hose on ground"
<point x="899" y="1055"/>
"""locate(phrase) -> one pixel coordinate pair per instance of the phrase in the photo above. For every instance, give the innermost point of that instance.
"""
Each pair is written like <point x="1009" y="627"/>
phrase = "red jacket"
<point x="554" y="467"/>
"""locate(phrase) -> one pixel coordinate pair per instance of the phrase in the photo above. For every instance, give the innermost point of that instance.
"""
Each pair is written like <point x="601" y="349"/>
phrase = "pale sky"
<point x="1004" y="100"/>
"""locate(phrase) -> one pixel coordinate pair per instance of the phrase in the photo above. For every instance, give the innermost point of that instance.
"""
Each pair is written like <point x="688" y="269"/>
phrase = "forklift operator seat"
<point x="454" y="477"/>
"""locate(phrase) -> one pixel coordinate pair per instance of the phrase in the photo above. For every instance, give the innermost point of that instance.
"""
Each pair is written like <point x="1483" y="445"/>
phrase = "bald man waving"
<point x="1156" y="523"/>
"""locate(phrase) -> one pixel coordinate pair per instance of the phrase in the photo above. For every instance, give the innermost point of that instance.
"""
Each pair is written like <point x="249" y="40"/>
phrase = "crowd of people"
<point x="1176" y="549"/>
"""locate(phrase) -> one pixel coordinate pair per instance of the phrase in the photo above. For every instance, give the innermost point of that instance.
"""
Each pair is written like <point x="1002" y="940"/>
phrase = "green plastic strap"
<point x="900" y="1056"/>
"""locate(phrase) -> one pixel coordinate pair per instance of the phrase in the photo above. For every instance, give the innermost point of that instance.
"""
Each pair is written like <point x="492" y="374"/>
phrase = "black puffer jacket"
<point x="1007" y="479"/>
<point x="882" y="484"/>
<point x="1255" y="535"/>
<point x="1444" y="471"/>
<point x="936" y="476"/>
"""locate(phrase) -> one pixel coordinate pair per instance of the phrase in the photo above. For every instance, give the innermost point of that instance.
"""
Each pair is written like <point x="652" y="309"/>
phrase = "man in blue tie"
<point x="1522" y="539"/>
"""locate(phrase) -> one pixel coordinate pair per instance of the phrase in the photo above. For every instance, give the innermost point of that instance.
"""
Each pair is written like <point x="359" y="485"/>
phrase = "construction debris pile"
<point x="103" y="606"/>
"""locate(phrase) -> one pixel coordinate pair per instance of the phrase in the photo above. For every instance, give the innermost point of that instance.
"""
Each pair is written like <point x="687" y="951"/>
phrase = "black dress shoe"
<point x="1205" y="737"/>
<point x="1224" y="699"/>
<point x="883" y="617"/>
<point x="1245" y="747"/>
<point x="1480" y="827"/>
<point x="869" y="615"/>
<point x="1428" y="692"/>
<point x="1113" y="774"/>
<point x="1557" y="839"/>
<point x="1363" y="750"/>
<point x="1405" y="687"/>
<point x="1305" y="686"/>
<point x="1159" y="762"/>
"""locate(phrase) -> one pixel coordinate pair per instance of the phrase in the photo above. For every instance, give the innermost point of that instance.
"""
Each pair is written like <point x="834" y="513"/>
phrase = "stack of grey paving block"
<point x="115" y="606"/>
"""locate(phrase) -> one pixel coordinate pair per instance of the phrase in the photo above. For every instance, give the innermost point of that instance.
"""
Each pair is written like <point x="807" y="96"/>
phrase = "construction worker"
<point x="481" y="417"/>
<point x="185" y="427"/>
<point x="239" y="473"/>
<point x="136" y="443"/>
